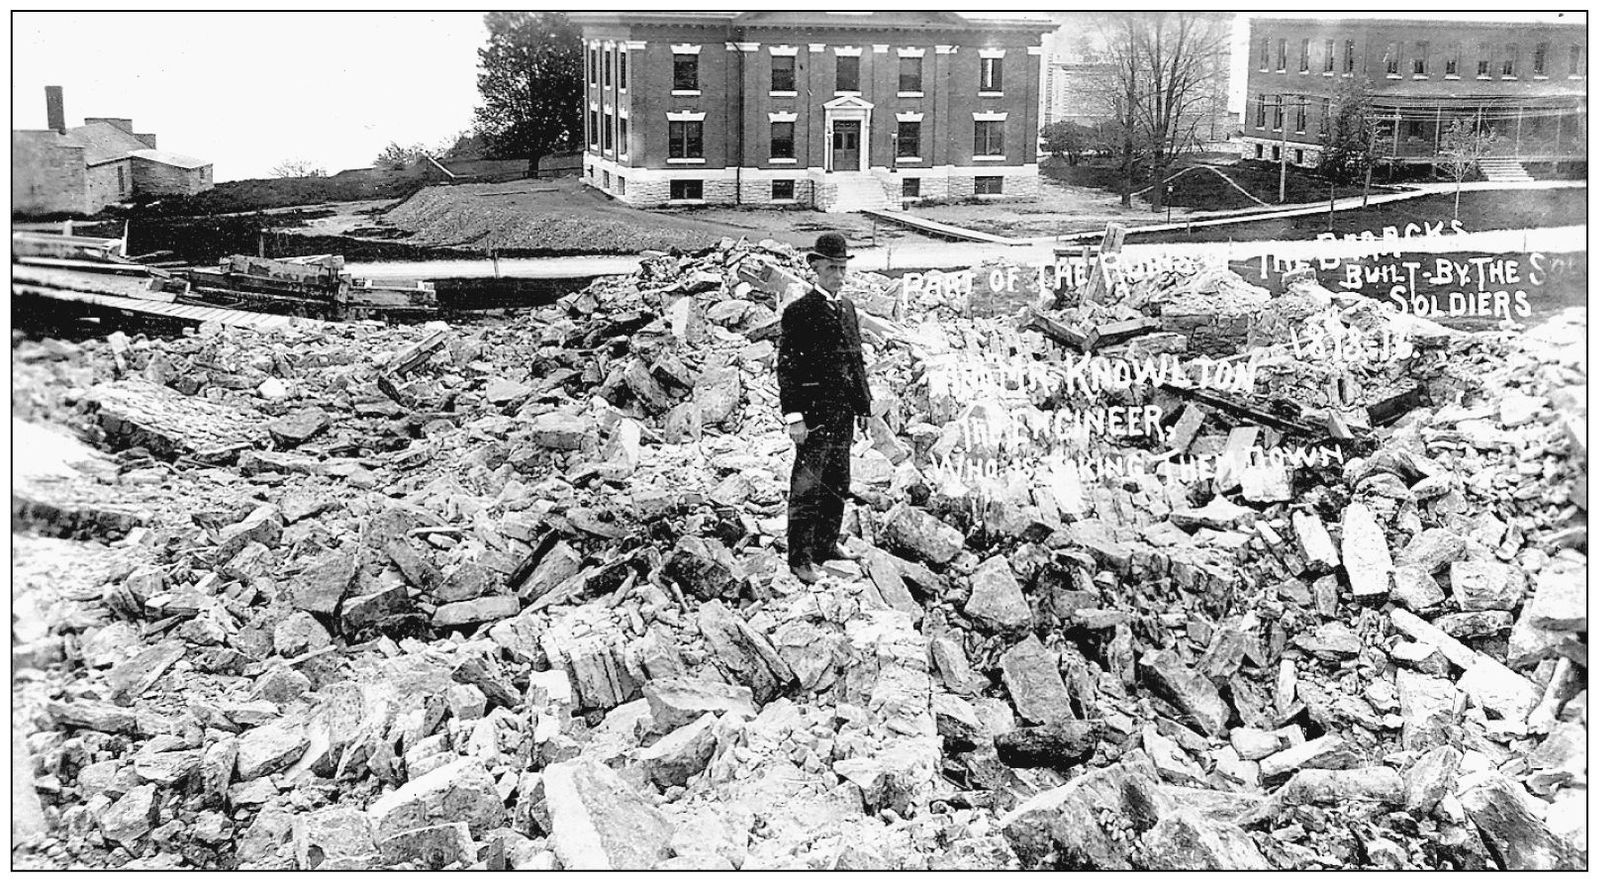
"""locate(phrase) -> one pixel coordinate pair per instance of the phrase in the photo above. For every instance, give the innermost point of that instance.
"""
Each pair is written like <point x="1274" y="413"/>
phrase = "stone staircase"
<point x="1501" y="170"/>
<point x="856" y="191"/>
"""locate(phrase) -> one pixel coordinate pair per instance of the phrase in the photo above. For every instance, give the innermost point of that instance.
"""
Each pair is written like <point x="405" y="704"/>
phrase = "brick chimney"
<point x="55" y="118"/>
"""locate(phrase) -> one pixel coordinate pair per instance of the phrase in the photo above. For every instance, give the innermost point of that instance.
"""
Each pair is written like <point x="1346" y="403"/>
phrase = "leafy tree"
<point x="530" y="81"/>
<point x="1350" y="141"/>
<point x="1462" y="145"/>
<point x="397" y="156"/>
<point x="1066" y="139"/>
<point x="297" y="168"/>
<point x="1165" y="63"/>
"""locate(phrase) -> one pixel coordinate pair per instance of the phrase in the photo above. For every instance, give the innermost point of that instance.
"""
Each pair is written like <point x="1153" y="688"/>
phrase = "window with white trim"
<point x="989" y="186"/>
<point x="1330" y="56"/>
<point x="687" y="190"/>
<point x="685" y="72"/>
<point x="686" y="138"/>
<point x="908" y="140"/>
<point x="1418" y="66"/>
<point x="783" y="190"/>
<point x="1576" y="60"/>
<point x="992" y="74"/>
<point x="911" y="74"/>
<point x="783" y="140"/>
<point x="846" y="68"/>
<point x="1540" y="51"/>
<point x="1508" y="65"/>
<point x="783" y="73"/>
<point x="1302" y="56"/>
<point x="989" y="139"/>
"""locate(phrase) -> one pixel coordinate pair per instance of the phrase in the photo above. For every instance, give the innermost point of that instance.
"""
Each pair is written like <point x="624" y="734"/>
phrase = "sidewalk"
<point x="1204" y="219"/>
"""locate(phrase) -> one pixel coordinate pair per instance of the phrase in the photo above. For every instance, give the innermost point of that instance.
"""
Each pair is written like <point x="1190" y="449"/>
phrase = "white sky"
<point x="246" y="90"/>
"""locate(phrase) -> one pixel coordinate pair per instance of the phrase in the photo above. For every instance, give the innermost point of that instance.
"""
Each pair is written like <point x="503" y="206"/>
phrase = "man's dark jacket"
<point x="820" y="359"/>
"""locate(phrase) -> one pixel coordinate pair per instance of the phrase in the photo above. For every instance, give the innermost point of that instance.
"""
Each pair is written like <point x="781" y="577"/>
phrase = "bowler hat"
<point x="830" y="246"/>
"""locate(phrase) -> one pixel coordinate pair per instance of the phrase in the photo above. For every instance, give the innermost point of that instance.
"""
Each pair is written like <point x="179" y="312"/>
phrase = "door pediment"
<point x="849" y="102"/>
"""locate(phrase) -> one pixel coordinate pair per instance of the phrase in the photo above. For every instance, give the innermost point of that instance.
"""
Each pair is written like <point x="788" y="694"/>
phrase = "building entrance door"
<point x="847" y="147"/>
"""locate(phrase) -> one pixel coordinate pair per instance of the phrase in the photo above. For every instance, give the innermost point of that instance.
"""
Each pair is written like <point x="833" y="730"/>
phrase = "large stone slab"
<point x="1189" y="691"/>
<point x="920" y="535"/>
<point x="1516" y="835"/>
<point x="1364" y="553"/>
<point x="1032" y="675"/>
<point x="996" y="599"/>
<point x="1059" y="829"/>
<point x="674" y="702"/>
<point x="462" y="791"/>
<point x="599" y="822"/>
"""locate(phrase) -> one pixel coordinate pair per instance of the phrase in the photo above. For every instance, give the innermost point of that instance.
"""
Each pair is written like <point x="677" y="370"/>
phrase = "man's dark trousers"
<point x="818" y="485"/>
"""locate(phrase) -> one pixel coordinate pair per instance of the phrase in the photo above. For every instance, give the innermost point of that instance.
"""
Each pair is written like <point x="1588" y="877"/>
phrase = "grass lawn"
<point x="1200" y="188"/>
<point x="1490" y="209"/>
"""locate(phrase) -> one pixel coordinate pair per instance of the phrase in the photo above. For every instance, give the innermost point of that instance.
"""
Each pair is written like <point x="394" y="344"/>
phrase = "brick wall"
<point x="46" y="176"/>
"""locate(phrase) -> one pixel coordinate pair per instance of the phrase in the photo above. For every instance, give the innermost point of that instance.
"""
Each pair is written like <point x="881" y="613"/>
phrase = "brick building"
<point x="1528" y="82"/>
<point x="840" y="111"/>
<point x="84" y="169"/>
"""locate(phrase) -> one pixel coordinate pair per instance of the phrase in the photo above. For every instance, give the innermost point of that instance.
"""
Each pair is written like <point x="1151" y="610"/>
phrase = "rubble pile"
<point x="514" y="595"/>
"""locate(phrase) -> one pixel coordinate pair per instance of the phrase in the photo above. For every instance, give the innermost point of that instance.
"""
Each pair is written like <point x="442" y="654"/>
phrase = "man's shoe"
<point x="838" y="553"/>
<point x="804" y="573"/>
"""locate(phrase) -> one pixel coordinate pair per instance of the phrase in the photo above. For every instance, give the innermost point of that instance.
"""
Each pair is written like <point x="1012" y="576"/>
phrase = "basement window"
<point x="783" y="190"/>
<point x="910" y="187"/>
<point x="687" y="190"/>
<point x="989" y="186"/>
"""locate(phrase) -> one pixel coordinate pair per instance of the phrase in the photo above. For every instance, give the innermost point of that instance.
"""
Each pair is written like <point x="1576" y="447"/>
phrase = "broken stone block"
<point x="466" y="701"/>
<point x="560" y="430"/>
<point x="1339" y="786"/>
<point x="132" y="817"/>
<point x="1192" y="693"/>
<point x="1170" y="761"/>
<point x="1433" y="549"/>
<point x="1329" y="752"/>
<point x="1032" y="675"/>
<point x="718" y="392"/>
<point x="1474" y="624"/>
<point x="674" y="702"/>
<point x="559" y="565"/>
<point x="882" y="780"/>
<point x="265" y="750"/>
<point x="1331" y="640"/>
<point x="996" y="598"/>
<point x="1416" y="589"/>
<point x="1429" y="708"/>
<point x="1255" y="745"/>
<point x="680" y="754"/>
<point x="334" y="839"/>
<point x="1430" y="778"/>
<point x="599" y="823"/>
<point x="1220" y="514"/>
<point x="1365" y="556"/>
<point x="1501" y="692"/>
<point x="299" y="633"/>
<point x="920" y="535"/>
<point x="744" y="653"/>
<point x="132" y="676"/>
<point x="1315" y="543"/>
<point x="1484" y="585"/>
<point x="1058" y="829"/>
<point x="1056" y="744"/>
<point x="462" y="791"/>
<point x="214" y="770"/>
<point x="433" y="846"/>
<point x="93" y="715"/>
<point x="298" y="427"/>
<point x="166" y="768"/>
<point x="705" y="569"/>
<point x="1184" y="840"/>
<point x="1516" y="835"/>
<point x="958" y="676"/>
<point x="477" y="610"/>
<point x="886" y="573"/>
<point x="1560" y="599"/>
<point x="1427" y="634"/>
<point x="319" y="588"/>
<point x="1232" y="767"/>
<point x="263" y="525"/>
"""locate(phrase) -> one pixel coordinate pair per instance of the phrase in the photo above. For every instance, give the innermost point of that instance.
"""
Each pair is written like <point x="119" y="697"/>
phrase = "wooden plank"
<point x="1083" y="341"/>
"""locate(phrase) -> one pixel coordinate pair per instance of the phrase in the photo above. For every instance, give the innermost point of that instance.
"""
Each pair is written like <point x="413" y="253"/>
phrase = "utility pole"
<point x="1282" y="112"/>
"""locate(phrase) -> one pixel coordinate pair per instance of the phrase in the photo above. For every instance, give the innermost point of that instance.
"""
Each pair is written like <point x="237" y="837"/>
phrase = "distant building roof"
<point x="913" y="20"/>
<point x="103" y="142"/>
<point x="167" y="158"/>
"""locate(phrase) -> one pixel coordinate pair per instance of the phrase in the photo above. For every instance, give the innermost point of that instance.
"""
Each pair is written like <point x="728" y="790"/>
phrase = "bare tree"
<point x="1165" y="65"/>
<point x="1121" y="33"/>
<point x="297" y="168"/>
<point x="1463" y="144"/>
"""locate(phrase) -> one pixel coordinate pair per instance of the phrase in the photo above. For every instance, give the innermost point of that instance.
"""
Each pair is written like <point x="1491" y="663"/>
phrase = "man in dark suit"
<point x="823" y="390"/>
